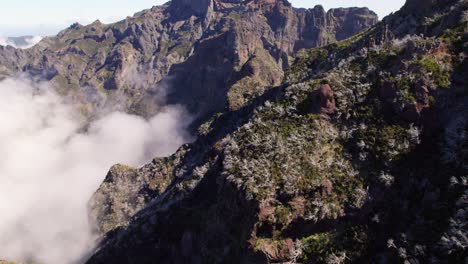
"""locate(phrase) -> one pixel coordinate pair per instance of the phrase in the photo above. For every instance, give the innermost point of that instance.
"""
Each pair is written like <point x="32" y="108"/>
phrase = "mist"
<point x="25" y="42"/>
<point x="49" y="167"/>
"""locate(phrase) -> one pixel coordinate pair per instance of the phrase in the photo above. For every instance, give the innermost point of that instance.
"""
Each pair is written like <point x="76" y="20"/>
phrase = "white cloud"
<point x="48" y="169"/>
<point x="20" y="42"/>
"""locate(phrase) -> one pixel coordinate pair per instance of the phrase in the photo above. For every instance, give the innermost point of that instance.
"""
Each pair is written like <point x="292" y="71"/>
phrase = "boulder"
<point x="422" y="96"/>
<point x="327" y="100"/>
<point x="327" y="187"/>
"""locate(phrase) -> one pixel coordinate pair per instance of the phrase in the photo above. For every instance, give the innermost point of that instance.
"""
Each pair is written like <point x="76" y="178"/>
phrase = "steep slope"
<point x="359" y="156"/>
<point x="198" y="48"/>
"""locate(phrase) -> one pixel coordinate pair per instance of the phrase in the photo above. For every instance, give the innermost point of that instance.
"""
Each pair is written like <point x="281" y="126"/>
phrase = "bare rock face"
<point x="321" y="100"/>
<point x="327" y="101"/>
<point x="127" y="190"/>
<point x="283" y="252"/>
<point x="186" y="8"/>
<point x="199" y="49"/>
<point x="107" y="210"/>
<point x="422" y="6"/>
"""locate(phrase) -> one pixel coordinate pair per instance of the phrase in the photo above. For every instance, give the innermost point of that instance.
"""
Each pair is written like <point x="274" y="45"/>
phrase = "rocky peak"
<point x="260" y="3"/>
<point x="208" y="45"/>
<point x="187" y="8"/>
<point x="202" y="7"/>
<point x="422" y="6"/>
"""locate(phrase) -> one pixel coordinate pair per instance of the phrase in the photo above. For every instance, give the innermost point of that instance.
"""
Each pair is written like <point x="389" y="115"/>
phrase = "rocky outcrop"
<point x="325" y="100"/>
<point x="205" y="54"/>
<point x="417" y="7"/>
<point x="127" y="190"/>
<point x="284" y="179"/>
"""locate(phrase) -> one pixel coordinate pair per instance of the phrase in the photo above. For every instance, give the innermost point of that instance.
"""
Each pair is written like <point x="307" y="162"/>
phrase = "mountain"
<point x="357" y="155"/>
<point x="213" y="54"/>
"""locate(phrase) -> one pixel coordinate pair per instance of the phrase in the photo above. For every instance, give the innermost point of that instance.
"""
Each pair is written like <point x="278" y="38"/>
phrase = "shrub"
<point x="440" y="77"/>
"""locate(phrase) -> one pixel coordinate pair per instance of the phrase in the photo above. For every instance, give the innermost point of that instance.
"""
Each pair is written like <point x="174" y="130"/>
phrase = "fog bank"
<point x="25" y="42"/>
<point x="49" y="167"/>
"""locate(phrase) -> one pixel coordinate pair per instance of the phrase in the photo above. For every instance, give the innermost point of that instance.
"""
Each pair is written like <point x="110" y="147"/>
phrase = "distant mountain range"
<point x="214" y="54"/>
<point x="23" y="42"/>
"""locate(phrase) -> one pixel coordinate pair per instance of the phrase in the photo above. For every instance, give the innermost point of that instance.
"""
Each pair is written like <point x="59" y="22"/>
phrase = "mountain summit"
<point x="202" y="7"/>
<point x="212" y="54"/>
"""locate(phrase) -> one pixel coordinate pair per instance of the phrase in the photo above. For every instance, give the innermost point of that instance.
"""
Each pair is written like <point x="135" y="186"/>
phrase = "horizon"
<point x="40" y="19"/>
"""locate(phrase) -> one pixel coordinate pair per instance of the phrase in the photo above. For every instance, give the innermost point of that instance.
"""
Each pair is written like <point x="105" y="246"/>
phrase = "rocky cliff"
<point x="212" y="54"/>
<point x="359" y="155"/>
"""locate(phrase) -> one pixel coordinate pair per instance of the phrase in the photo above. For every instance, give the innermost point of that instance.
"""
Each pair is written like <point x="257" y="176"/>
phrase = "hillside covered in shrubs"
<point x="359" y="156"/>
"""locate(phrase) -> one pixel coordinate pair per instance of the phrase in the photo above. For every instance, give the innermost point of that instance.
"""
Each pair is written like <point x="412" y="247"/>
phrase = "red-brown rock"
<point x="327" y="187"/>
<point x="327" y="100"/>
<point x="279" y="252"/>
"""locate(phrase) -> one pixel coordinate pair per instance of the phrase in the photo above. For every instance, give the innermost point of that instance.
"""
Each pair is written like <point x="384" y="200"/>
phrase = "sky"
<point x="48" y="17"/>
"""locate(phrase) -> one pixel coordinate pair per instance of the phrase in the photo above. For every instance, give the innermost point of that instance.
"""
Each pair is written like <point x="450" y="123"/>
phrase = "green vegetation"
<point x="182" y="49"/>
<point x="282" y="214"/>
<point x="310" y="178"/>
<point x="307" y="58"/>
<point x="384" y="58"/>
<point x="346" y="238"/>
<point x="440" y="77"/>
<point x="382" y="140"/>
<point x="404" y="85"/>
<point x="235" y="15"/>
<point x="456" y="36"/>
<point x="89" y="46"/>
<point x="317" y="247"/>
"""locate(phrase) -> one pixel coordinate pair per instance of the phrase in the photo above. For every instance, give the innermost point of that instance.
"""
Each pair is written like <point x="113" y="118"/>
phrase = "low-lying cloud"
<point x="49" y="167"/>
<point x="25" y="42"/>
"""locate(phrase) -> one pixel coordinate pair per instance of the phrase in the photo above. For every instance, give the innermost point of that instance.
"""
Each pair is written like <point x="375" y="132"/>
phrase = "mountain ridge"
<point x="358" y="156"/>
<point x="127" y="62"/>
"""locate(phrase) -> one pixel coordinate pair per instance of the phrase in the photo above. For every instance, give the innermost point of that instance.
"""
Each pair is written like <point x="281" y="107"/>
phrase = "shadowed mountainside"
<point x="358" y="156"/>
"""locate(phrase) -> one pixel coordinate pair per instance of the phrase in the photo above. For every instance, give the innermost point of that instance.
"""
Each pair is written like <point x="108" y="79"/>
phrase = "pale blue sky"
<point x="47" y="17"/>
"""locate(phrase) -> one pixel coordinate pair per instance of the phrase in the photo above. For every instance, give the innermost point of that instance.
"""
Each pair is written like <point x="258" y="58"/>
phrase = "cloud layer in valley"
<point x="25" y="42"/>
<point x="49" y="167"/>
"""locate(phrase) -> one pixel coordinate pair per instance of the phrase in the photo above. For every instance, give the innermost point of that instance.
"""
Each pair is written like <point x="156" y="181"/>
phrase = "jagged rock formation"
<point x="212" y="53"/>
<point x="359" y="156"/>
<point x="127" y="190"/>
